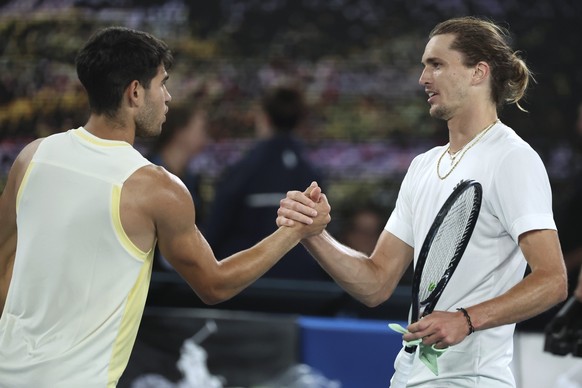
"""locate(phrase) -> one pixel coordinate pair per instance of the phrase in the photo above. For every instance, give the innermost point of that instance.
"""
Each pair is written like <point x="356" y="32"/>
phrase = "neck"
<point x="461" y="132"/>
<point x="110" y="128"/>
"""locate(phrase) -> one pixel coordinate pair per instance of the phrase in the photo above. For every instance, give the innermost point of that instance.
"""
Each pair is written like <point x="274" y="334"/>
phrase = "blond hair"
<point x="482" y="40"/>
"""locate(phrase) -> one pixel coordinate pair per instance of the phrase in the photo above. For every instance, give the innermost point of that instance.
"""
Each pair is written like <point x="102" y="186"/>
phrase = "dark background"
<point x="359" y="61"/>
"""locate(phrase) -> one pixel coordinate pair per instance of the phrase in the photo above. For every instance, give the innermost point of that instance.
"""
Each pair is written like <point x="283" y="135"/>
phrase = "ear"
<point x="481" y="72"/>
<point x="134" y="93"/>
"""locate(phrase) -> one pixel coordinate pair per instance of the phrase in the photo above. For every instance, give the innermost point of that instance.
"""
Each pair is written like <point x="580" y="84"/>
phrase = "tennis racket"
<point x="439" y="256"/>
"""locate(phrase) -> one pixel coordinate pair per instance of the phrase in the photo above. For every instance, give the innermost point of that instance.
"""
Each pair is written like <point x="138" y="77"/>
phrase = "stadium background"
<point x="358" y="60"/>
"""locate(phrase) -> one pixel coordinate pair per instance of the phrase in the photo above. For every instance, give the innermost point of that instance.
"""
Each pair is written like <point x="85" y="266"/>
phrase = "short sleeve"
<point x="522" y="196"/>
<point x="400" y="221"/>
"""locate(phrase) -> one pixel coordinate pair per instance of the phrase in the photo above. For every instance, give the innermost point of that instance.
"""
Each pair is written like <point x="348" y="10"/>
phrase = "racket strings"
<point x="447" y="243"/>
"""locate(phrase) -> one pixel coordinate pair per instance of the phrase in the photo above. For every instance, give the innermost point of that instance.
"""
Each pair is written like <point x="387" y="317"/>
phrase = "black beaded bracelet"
<point x="468" y="318"/>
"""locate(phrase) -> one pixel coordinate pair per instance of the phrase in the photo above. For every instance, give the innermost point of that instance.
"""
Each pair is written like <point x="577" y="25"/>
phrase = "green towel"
<point x="427" y="354"/>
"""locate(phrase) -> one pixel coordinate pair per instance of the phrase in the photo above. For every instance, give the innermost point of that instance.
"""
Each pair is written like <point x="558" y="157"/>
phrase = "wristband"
<point x="468" y="318"/>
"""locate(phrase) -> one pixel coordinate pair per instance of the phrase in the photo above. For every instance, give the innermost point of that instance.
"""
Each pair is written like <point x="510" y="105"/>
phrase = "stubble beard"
<point x="441" y="112"/>
<point x="146" y="125"/>
<point x="145" y="132"/>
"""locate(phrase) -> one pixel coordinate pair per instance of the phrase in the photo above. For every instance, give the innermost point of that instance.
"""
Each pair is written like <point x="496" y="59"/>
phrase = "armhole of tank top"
<point x="23" y="184"/>
<point x="122" y="236"/>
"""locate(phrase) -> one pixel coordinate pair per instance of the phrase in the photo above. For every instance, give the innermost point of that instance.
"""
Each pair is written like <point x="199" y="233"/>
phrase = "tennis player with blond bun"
<point x="469" y="72"/>
<point x="80" y="215"/>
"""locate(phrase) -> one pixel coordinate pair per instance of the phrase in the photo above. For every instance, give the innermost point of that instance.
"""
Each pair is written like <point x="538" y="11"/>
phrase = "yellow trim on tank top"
<point x="86" y="135"/>
<point x="129" y="325"/>
<point x="123" y="238"/>
<point x="23" y="184"/>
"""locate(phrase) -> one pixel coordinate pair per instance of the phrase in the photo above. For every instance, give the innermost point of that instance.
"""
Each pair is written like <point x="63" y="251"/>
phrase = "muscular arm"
<point x="544" y="287"/>
<point x="371" y="280"/>
<point x="8" y="231"/>
<point x="7" y="236"/>
<point x="183" y="245"/>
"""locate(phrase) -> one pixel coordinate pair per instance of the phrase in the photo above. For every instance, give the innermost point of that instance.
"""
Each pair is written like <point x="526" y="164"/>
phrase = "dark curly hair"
<point x="114" y="57"/>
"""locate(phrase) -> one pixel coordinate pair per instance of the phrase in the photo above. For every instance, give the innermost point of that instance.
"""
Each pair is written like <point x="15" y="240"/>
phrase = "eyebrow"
<point x="430" y="61"/>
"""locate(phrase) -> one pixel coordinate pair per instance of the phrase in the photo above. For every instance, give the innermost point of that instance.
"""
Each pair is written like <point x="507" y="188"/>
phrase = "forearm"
<point x="544" y="287"/>
<point x="355" y="272"/>
<point x="243" y="268"/>
<point x="533" y="295"/>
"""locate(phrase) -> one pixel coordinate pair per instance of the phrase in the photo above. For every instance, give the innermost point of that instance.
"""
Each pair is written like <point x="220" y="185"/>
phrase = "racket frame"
<point x="430" y="302"/>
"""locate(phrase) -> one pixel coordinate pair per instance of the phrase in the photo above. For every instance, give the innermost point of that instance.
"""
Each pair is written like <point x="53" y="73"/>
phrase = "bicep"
<point x="7" y="213"/>
<point x="179" y="239"/>
<point x="8" y="229"/>
<point x="541" y="249"/>
<point x="7" y="240"/>
<point x="8" y="204"/>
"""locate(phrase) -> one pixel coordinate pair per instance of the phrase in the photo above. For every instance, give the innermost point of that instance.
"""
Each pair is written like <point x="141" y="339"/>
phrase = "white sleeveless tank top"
<point x="79" y="284"/>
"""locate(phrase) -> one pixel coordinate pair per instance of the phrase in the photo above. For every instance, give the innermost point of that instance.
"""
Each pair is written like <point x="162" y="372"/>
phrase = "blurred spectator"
<point x="568" y="217"/>
<point x="363" y="227"/>
<point x="569" y="212"/>
<point x="248" y="193"/>
<point x="564" y="329"/>
<point x="184" y="135"/>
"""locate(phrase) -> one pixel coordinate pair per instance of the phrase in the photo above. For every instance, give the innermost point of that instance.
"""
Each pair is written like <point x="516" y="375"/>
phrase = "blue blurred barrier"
<point x="358" y="353"/>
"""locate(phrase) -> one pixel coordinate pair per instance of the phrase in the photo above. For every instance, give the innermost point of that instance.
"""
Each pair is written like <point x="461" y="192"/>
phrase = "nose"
<point x="423" y="77"/>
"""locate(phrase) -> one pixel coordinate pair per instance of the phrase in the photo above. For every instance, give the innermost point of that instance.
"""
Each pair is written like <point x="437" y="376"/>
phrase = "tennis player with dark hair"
<point x="81" y="213"/>
<point x="469" y="72"/>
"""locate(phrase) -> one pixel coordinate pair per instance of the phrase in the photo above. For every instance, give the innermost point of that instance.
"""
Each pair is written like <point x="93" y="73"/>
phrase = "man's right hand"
<point x="309" y="208"/>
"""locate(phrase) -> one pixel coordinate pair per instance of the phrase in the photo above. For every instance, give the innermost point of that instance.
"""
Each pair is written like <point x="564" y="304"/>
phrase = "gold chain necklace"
<point x="454" y="155"/>
<point x="462" y="150"/>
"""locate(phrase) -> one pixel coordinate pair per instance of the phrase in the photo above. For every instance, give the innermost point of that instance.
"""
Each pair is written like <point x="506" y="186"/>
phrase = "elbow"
<point x="374" y="300"/>
<point x="562" y="289"/>
<point x="557" y="288"/>
<point x="210" y="300"/>
<point x="213" y="296"/>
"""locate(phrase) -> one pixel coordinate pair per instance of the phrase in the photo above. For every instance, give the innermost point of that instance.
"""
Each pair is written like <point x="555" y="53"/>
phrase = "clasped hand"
<point x="309" y="210"/>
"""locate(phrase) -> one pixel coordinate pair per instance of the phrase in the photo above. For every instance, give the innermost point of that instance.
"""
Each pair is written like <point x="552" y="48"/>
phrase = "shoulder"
<point x="156" y="178"/>
<point x="508" y="148"/>
<point x="18" y="169"/>
<point x="30" y="148"/>
<point x="154" y="186"/>
<point x="26" y="154"/>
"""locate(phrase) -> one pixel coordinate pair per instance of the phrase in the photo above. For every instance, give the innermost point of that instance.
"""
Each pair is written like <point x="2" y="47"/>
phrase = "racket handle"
<point x="402" y="367"/>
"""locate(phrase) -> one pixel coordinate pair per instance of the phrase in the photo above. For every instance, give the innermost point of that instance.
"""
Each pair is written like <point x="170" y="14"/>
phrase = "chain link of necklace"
<point x="462" y="150"/>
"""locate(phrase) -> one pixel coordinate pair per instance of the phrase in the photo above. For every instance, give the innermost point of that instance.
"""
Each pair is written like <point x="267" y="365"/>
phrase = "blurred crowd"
<point x="356" y="60"/>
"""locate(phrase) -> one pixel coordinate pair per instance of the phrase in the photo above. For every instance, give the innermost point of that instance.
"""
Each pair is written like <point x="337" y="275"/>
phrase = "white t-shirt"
<point x="516" y="198"/>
